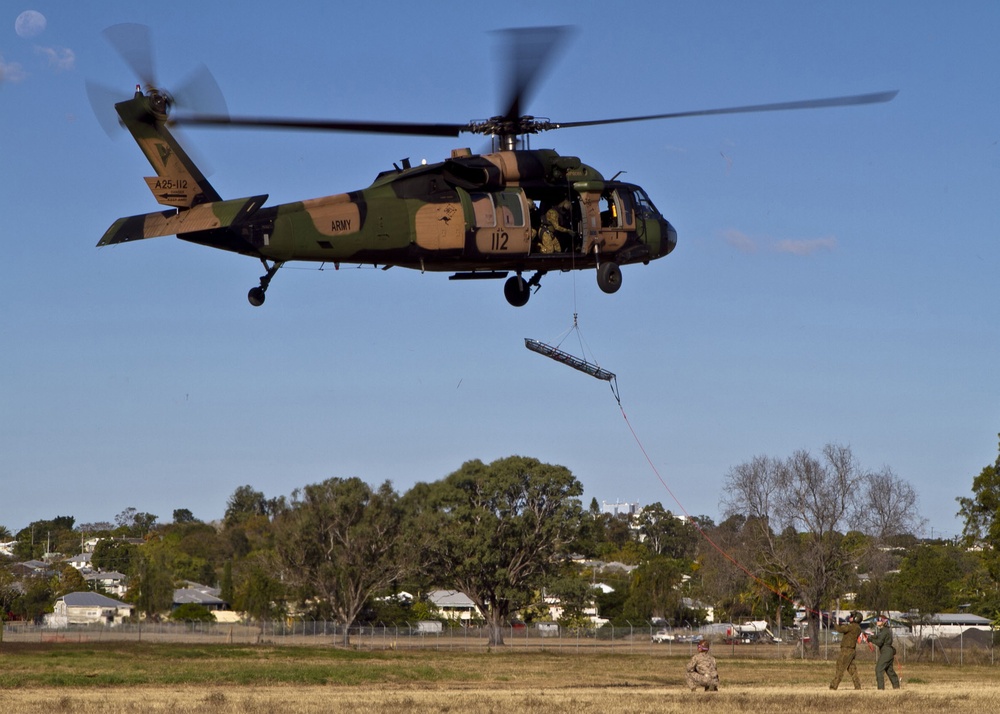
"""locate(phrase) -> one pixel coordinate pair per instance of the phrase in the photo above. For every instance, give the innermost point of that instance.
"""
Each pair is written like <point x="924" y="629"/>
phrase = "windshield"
<point x="643" y="206"/>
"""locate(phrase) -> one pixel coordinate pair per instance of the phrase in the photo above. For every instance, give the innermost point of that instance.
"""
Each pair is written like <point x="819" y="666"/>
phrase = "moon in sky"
<point x="29" y="24"/>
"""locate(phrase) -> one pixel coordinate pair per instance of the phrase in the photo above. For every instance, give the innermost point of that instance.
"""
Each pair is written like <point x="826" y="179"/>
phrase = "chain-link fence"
<point x="971" y="647"/>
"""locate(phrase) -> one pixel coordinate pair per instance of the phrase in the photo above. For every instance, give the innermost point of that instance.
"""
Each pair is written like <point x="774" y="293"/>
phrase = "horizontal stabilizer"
<point x="203" y="217"/>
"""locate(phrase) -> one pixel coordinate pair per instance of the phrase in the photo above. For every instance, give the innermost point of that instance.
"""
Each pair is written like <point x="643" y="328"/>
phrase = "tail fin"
<point x="178" y="182"/>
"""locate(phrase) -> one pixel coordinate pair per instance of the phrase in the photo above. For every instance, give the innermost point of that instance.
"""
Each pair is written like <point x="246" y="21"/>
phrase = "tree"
<point x="340" y="541"/>
<point x="40" y="537"/>
<point x="928" y="578"/>
<point x="654" y="590"/>
<point x="132" y="523"/>
<point x="494" y="531"/>
<point x="192" y="612"/>
<point x="797" y="511"/>
<point x="575" y="595"/>
<point x="151" y="586"/>
<point x="114" y="554"/>
<point x="666" y="534"/>
<point x="246" y="503"/>
<point x="981" y="514"/>
<point x="257" y="590"/>
<point x="69" y="581"/>
<point x="184" y="515"/>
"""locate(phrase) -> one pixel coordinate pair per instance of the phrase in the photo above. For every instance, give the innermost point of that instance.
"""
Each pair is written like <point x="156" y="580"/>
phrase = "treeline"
<point x="514" y="536"/>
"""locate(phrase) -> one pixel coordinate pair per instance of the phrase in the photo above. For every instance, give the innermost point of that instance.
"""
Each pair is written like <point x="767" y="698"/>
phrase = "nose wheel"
<point x="256" y="295"/>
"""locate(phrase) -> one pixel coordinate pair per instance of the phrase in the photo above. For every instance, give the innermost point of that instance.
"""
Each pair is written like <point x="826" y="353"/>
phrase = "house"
<point x="949" y="624"/>
<point x="80" y="562"/>
<point x="453" y="604"/>
<point x="198" y="594"/>
<point x="87" y="609"/>
<point x="110" y="581"/>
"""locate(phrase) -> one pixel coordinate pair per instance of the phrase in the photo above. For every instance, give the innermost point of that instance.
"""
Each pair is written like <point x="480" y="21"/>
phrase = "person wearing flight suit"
<point x="886" y="654"/>
<point x="848" y="646"/>
<point x="701" y="670"/>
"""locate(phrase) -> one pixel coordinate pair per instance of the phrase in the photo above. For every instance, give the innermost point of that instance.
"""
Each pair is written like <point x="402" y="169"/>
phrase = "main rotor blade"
<point x="528" y="52"/>
<point x="369" y="127"/>
<point x="134" y="43"/>
<point x="874" y="98"/>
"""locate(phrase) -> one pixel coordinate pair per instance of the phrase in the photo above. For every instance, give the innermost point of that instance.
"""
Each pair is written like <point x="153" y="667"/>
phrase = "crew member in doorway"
<point x="553" y="229"/>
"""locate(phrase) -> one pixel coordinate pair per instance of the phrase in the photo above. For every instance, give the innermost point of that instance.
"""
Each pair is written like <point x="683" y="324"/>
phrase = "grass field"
<point x="114" y="677"/>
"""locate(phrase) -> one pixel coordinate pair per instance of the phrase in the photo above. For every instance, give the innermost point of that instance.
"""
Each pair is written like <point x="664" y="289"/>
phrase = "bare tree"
<point x="889" y="507"/>
<point x="797" y="513"/>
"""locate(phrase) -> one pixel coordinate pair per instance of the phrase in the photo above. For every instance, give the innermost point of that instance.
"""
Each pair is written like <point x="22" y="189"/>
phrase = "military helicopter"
<point x="478" y="216"/>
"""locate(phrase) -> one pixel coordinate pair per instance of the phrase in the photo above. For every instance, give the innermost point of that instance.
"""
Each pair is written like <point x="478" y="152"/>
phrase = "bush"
<point x="192" y="612"/>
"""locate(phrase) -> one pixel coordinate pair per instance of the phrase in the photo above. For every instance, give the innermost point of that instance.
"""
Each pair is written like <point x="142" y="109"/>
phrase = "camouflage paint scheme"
<point x="469" y="214"/>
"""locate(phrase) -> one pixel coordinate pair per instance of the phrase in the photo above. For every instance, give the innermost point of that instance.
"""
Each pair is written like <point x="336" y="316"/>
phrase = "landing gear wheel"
<point x="517" y="291"/>
<point x="256" y="295"/>
<point x="609" y="277"/>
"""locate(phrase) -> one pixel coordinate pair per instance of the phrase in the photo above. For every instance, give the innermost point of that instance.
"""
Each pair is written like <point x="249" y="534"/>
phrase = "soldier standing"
<point x="701" y="670"/>
<point x="886" y="654"/>
<point x="848" y="645"/>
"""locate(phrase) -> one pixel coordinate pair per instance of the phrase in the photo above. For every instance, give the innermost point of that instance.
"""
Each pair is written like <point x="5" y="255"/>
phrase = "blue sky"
<point x="834" y="281"/>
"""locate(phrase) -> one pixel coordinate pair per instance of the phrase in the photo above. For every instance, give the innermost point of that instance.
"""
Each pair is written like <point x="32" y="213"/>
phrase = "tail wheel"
<point x="517" y="291"/>
<point x="609" y="277"/>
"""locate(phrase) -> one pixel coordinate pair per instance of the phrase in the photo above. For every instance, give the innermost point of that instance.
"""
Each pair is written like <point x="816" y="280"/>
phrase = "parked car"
<point x="662" y="636"/>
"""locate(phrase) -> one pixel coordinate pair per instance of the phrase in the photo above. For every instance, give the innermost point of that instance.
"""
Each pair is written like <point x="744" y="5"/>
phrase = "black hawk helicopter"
<point x="479" y="216"/>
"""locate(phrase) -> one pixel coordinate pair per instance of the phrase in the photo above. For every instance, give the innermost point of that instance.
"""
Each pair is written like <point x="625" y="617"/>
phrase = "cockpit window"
<point x="643" y="206"/>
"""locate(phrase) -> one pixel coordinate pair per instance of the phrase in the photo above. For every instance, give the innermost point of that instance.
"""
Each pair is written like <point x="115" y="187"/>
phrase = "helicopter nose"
<point x="668" y="238"/>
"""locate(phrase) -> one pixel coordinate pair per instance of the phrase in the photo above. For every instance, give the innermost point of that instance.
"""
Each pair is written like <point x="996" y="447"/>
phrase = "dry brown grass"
<point x="429" y="681"/>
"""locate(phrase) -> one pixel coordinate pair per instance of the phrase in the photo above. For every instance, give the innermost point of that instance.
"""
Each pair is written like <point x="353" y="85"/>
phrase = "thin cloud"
<point x="11" y="71"/>
<point x="740" y="241"/>
<point x="805" y="246"/>
<point x="59" y="58"/>
<point x="801" y="247"/>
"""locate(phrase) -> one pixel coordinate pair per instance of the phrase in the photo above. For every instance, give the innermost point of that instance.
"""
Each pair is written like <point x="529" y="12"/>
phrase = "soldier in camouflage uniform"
<point x="552" y="226"/>
<point x="848" y="645"/>
<point x="886" y="654"/>
<point x="701" y="670"/>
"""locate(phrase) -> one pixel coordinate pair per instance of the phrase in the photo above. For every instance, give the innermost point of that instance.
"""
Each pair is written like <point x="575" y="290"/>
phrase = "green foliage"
<point x="69" y="580"/>
<point x="192" y="612"/>
<point x="56" y="535"/>
<point x="493" y="531"/>
<point x="35" y="599"/>
<point x="114" y="554"/>
<point x="151" y="586"/>
<point x="667" y="535"/>
<point x="184" y="515"/>
<point x="654" y="590"/>
<point x="981" y="514"/>
<point x="341" y="542"/>
<point x="257" y="591"/>
<point x="928" y="579"/>
<point x="575" y="594"/>
<point x="132" y="523"/>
